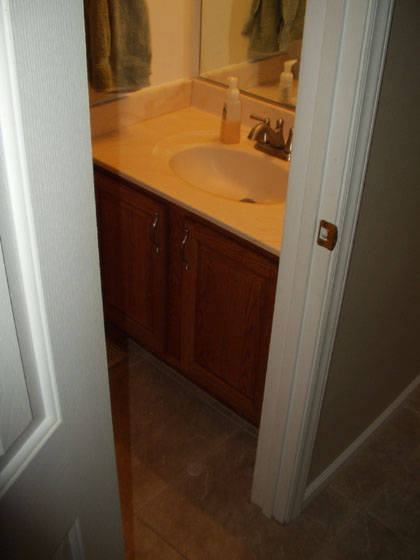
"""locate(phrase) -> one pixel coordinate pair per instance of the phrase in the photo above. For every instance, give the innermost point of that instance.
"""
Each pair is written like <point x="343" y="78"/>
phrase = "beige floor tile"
<point x="149" y="400"/>
<point x="159" y="429"/>
<point x="191" y="531"/>
<point x="138" y="484"/>
<point x="391" y="448"/>
<point x="326" y="515"/>
<point x="362" y="479"/>
<point x="398" y="504"/>
<point x="367" y="539"/>
<point x="210" y="516"/>
<point x="200" y="394"/>
<point x="144" y="544"/>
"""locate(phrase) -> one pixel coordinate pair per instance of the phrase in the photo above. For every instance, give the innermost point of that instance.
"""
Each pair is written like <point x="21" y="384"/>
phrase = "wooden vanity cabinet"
<point x="132" y="244"/>
<point x="204" y="303"/>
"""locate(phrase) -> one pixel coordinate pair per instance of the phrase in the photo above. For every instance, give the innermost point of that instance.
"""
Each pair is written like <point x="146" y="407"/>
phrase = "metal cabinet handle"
<point x="153" y="235"/>
<point x="184" y="242"/>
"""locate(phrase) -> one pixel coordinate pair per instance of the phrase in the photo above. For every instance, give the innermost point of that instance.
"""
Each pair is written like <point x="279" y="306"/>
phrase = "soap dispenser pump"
<point x="286" y="82"/>
<point x="230" y="128"/>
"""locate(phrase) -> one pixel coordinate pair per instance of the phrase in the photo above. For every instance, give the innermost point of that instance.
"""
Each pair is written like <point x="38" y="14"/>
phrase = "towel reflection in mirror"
<point x="274" y="24"/>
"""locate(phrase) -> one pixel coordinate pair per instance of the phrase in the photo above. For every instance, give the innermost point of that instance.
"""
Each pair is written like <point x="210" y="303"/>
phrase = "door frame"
<point x="343" y="56"/>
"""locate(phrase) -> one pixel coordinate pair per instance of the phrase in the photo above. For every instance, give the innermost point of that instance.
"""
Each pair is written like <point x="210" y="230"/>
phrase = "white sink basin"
<point x="235" y="174"/>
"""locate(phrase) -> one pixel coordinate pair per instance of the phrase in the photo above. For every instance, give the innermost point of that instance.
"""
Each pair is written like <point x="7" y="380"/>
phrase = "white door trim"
<point x="334" y="122"/>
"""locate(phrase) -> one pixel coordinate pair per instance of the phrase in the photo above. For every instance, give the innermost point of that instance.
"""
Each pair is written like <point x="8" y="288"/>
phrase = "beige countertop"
<point x="141" y="154"/>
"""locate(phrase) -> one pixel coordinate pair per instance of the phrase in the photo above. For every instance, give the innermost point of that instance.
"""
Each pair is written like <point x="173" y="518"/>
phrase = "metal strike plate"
<point x="327" y="235"/>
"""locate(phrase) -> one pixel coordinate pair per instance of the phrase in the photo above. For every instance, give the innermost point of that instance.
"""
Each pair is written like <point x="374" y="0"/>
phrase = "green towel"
<point x="293" y="15"/>
<point x="118" y="44"/>
<point x="274" y="24"/>
<point x="263" y="26"/>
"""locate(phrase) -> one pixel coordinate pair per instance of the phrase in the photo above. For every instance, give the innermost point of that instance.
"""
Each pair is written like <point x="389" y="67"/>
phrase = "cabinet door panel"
<point x="133" y="272"/>
<point x="227" y="316"/>
<point x="228" y="295"/>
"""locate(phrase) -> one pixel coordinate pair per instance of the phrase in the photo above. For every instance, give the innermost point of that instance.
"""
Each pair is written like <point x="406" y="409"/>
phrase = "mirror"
<point x="252" y="39"/>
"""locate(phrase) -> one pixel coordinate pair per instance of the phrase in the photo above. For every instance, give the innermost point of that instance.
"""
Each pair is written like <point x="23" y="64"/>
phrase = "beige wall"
<point x="175" y="39"/>
<point x="222" y="42"/>
<point x="377" y="348"/>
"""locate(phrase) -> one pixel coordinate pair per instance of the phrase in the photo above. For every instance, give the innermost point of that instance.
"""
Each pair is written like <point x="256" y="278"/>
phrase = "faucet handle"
<point x="289" y="142"/>
<point x="279" y="132"/>
<point x="262" y="119"/>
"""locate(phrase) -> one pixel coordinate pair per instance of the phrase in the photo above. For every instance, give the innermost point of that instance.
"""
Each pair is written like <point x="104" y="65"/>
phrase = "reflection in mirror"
<point x="253" y="39"/>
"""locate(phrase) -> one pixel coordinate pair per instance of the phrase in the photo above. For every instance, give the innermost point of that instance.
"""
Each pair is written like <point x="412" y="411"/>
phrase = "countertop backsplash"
<point x="155" y="101"/>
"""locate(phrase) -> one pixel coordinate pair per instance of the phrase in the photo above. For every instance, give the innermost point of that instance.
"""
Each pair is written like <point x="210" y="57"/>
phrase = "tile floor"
<point x="185" y="471"/>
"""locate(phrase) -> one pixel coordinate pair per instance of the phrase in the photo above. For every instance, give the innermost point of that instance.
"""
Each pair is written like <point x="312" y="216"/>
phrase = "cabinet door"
<point x="227" y="299"/>
<point x="132" y="241"/>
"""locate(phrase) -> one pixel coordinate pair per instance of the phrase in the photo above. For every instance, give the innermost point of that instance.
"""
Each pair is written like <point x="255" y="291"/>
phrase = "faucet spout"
<point x="260" y="131"/>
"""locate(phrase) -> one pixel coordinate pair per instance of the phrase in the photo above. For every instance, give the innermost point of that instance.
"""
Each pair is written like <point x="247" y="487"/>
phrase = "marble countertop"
<point x="141" y="154"/>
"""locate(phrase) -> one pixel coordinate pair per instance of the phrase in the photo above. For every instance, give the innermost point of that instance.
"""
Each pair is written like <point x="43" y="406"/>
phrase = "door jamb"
<point x="309" y="300"/>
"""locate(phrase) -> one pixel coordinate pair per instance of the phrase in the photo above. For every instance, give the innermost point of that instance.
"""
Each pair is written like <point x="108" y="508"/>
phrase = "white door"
<point x="58" y="485"/>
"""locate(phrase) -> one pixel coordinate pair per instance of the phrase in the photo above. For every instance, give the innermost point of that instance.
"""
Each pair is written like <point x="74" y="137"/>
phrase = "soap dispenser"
<point x="286" y="82"/>
<point x="230" y="128"/>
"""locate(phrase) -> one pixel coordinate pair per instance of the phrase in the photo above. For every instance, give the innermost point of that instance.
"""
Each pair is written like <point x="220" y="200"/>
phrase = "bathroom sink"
<point x="232" y="173"/>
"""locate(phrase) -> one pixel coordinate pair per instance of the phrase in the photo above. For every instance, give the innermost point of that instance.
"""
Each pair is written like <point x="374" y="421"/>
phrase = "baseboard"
<point x="325" y="477"/>
<point x="71" y="548"/>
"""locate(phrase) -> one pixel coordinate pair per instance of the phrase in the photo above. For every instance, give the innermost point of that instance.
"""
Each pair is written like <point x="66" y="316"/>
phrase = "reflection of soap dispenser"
<point x="286" y="82"/>
<point x="230" y="128"/>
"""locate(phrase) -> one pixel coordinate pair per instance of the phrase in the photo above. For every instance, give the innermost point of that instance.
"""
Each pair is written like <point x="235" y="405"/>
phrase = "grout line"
<point x="412" y="408"/>
<point x="347" y="499"/>
<point x="344" y="528"/>
<point x="386" y="526"/>
<point x="218" y="445"/>
<point x="158" y="493"/>
<point x="358" y="511"/>
<point x="343" y="495"/>
<point x="392" y="529"/>
<point x="129" y="359"/>
<point x="161" y="537"/>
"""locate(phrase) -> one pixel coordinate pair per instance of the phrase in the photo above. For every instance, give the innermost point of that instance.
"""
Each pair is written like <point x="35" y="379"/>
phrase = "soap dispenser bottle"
<point x="230" y="128"/>
<point x="286" y="82"/>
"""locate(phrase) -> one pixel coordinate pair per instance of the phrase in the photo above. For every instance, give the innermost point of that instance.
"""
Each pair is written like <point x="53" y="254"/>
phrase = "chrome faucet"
<point x="269" y="140"/>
